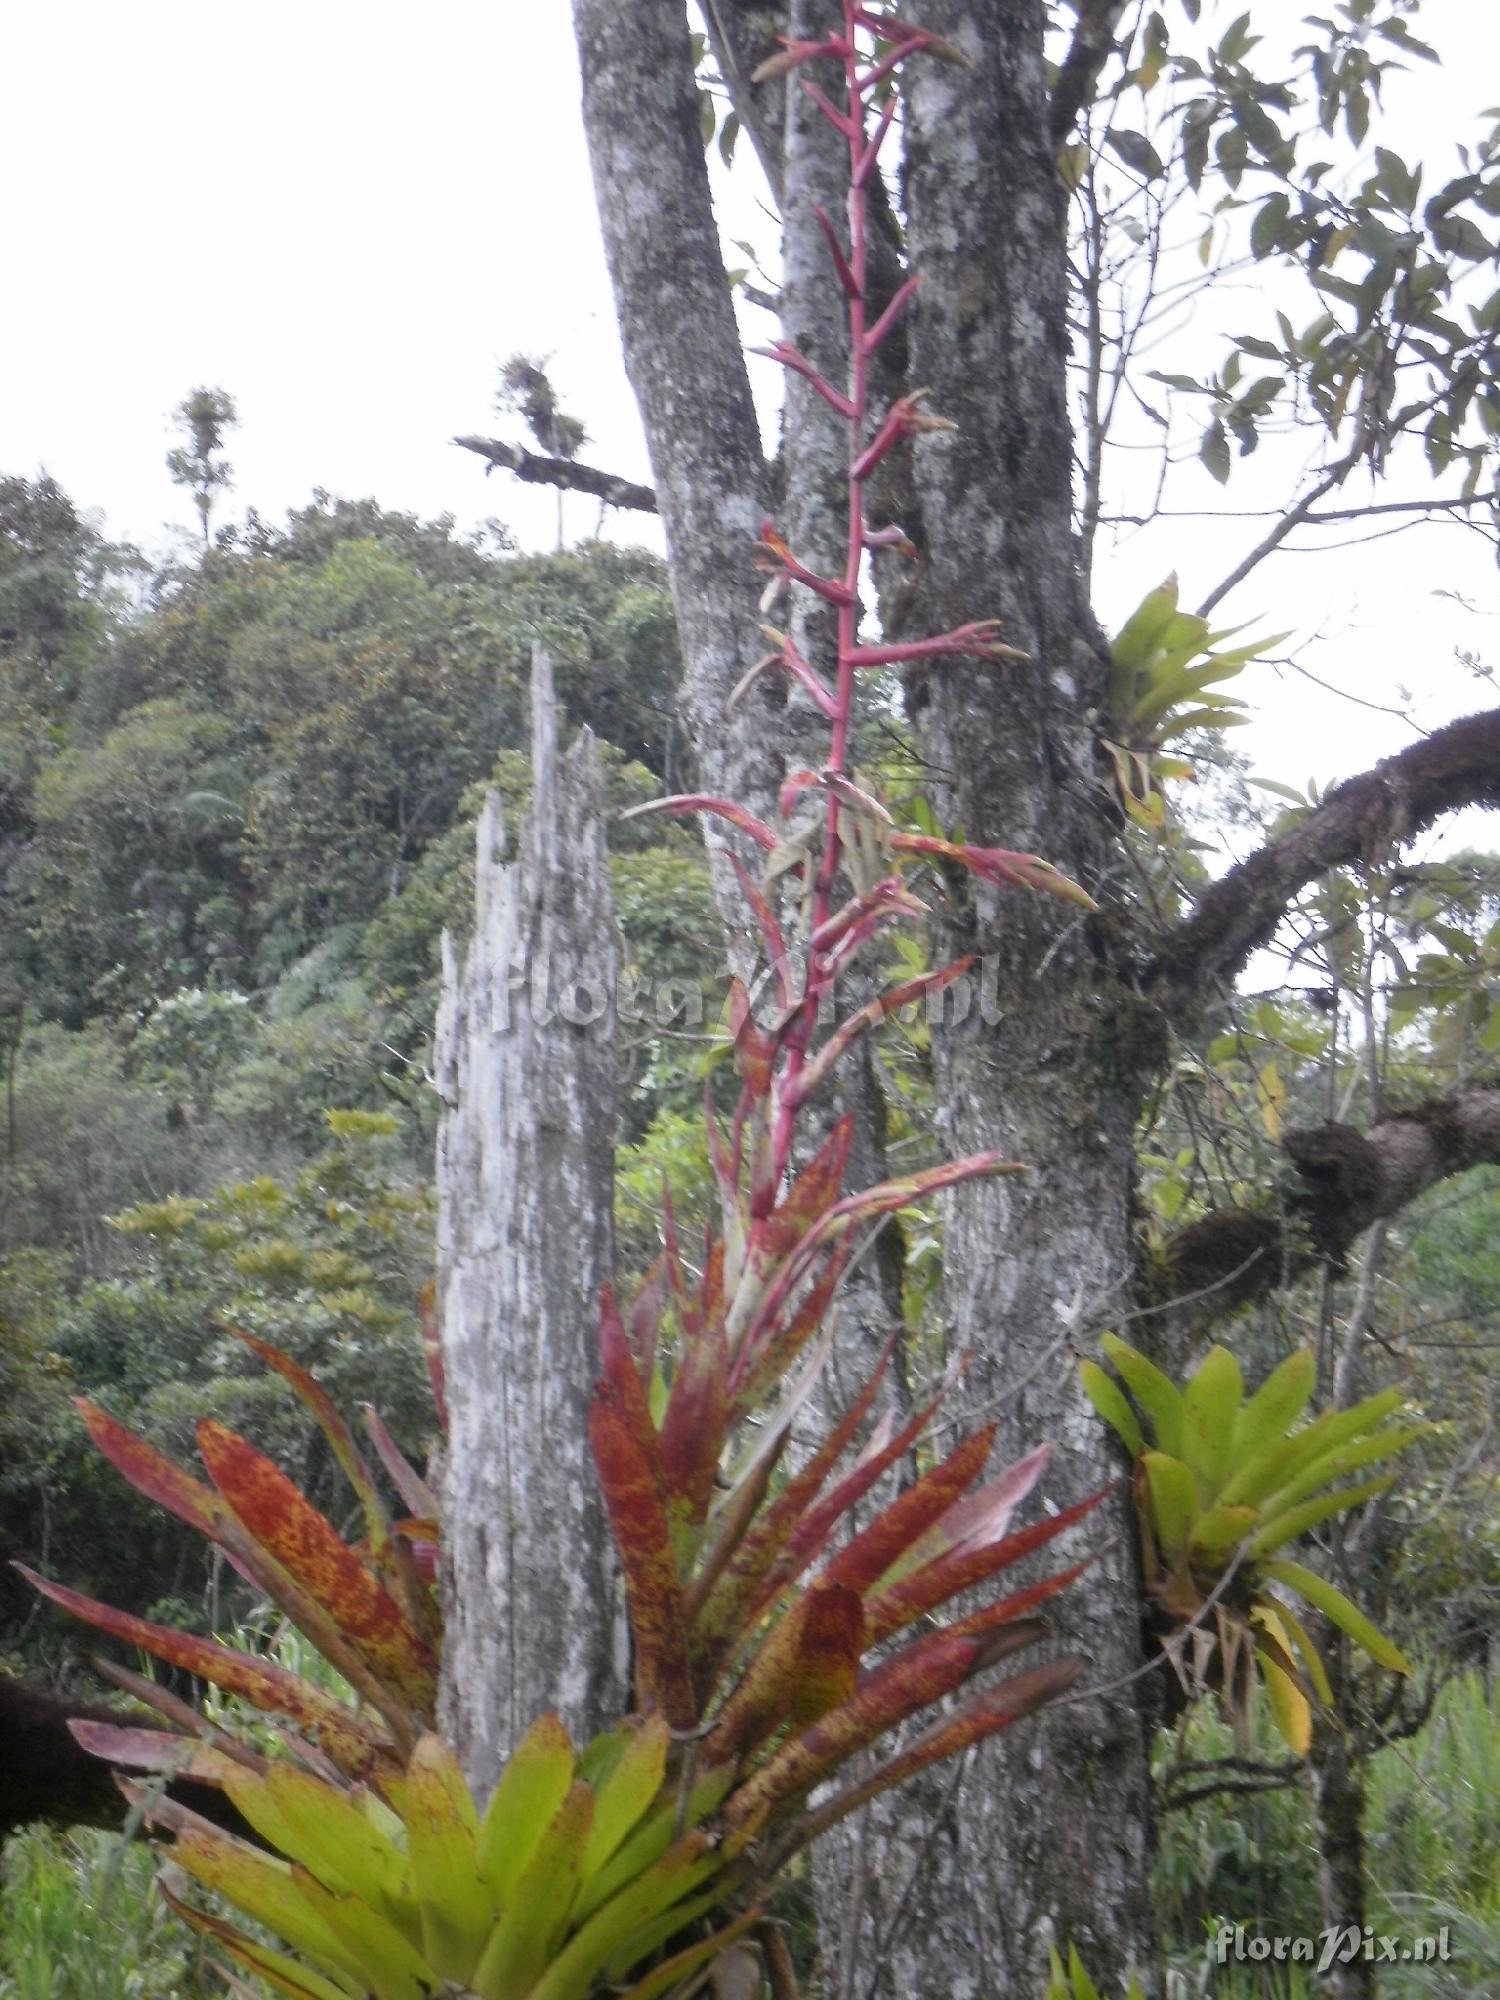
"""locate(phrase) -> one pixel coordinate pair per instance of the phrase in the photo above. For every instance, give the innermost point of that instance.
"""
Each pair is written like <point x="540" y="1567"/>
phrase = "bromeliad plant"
<point x="1228" y="1484"/>
<point x="777" y="1636"/>
<point x="1166" y="675"/>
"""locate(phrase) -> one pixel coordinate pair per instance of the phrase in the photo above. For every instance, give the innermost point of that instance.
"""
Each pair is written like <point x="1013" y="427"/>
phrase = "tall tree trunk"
<point x="1058" y="1831"/>
<point x="1059" y="1835"/>
<point x="526" y="1066"/>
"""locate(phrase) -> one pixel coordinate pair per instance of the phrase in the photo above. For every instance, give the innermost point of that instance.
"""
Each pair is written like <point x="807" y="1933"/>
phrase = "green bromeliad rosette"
<point x="1226" y="1485"/>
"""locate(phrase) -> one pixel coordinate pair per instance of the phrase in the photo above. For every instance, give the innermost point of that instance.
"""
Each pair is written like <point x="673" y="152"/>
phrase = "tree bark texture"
<point x="1338" y="1816"/>
<point x="1050" y="1835"/>
<point x="526" y="1066"/>
<point x="683" y="355"/>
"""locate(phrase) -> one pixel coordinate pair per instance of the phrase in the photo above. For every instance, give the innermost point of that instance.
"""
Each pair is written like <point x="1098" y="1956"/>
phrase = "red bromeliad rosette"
<point x="785" y="1621"/>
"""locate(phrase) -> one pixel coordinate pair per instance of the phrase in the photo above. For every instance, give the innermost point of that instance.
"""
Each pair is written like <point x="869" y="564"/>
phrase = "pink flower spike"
<point x="888" y="27"/>
<point x="870" y="1016"/>
<point x="904" y="417"/>
<point x="829" y="109"/>
<point x="787" y="656"/>
<point x="911" y="39"/>
<point x="795" y="53"/>
<point x="789" y="357"/>
<point x="893" y="537"/>
<point x="881" y="329"/>
<point x="868" y="159"/>
<point x="686" y="802"/>
<point x="792" y="788"/>
<point x="748" y="679"/>
<point x="770" y="932"/>
<point x="854" y="796"/>
<point x="894" y="427"/>
<point x="889" y="897"/>
<point x="776" y="544"/>
<point x="978" y="641"/>
<point x="1001" y="865"/>
<point x="836" y="250"/>
<point x="871" y="79"/>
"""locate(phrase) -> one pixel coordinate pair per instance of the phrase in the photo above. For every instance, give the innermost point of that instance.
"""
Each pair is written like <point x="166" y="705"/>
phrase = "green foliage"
<point x="1228" y="1484"/>
<point x="1390" y="339"/>
<point x="79" y="1917"/>
<point x="1432" y="1841"/>
<point x="1164" y="683"/>
<point x="199" y="464"/>
<point x="1070" y="1980"/>
<point x="132" y="869"/>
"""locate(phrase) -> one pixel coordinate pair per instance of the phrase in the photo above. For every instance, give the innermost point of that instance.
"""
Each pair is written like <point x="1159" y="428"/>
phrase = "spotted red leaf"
<point x="283" y="1521"/>
<point x="340" y="1437"/>
<point x="354" y="1742"/>
<point x="862" y="1562"/>
<point x="807" y="1663"/>
<point x="962" y="1569"/>
<point x="628" y="1462"/>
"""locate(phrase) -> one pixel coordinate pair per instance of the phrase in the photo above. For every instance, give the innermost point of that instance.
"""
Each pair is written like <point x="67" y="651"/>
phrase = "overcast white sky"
<point x="347" y="215"/>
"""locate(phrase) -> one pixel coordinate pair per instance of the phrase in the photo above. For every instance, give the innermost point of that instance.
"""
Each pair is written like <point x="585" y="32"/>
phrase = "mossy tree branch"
<point x="1360" y="820"/>
<point x="1343" y="1180"/>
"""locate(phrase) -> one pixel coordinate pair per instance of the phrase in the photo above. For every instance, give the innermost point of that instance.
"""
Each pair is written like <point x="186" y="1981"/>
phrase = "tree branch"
<point x="1359" y="820"/>
<point x="1093" y="43"/>
<point x="1344" y="1181"/>
<point x="536" y="470"/>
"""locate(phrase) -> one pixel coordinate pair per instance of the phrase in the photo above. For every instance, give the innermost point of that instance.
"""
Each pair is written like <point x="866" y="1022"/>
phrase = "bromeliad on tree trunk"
<point x="777" y="1635"/>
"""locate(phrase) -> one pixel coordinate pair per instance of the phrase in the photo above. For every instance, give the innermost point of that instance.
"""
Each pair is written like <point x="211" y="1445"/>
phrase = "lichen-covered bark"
<point x="683" y="356"/>
<point x="526" y="1066"/>
<point x="1054" y="1832"/>
<point x="1338" y="1802"/>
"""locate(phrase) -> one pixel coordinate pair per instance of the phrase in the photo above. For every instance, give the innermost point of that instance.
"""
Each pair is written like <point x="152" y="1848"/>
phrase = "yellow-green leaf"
<point x="1269" y="1414"/>
<point x="1307" y="1652"/>
<point x="1174" y="1504"/>
<point x="1286" y="1526"/>
<point x="666" y="1978"/>
<point x="573" y="1973"/>
<point x="529" y="1931"/>
<point x="627" y="1794"/>
<point x="338" y="1839"/>
<point x="261" y="1888"/>
<point x="1159" y="1397"/>
<point x="442" y="1834"/>
<point x="653" y="1837"/>
<point x="1279" y="1464"/>
<point x="287" y="1975"/>
<point x="1141" y="633"/>
<point x="1222" y="1529"/>
<point x="1339" y="1463"/>
<point x="1109" y="1401"/>
<point x="1332" y="1602"/>
<point x="534" y="1783"/>
<point x="389" y="1963"/>
<point x="1210" y="1404"/>
<point x="1289" y="1705"/>
<point x="1270" y="1092"/>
